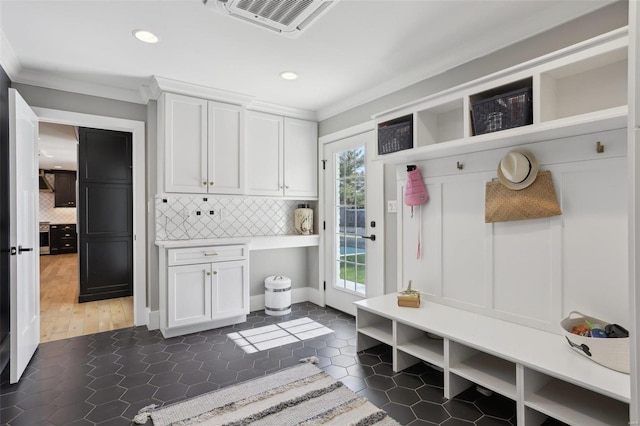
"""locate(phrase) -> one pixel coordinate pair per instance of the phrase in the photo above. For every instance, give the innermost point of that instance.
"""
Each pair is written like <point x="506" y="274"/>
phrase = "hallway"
<point x="61" y="316"/>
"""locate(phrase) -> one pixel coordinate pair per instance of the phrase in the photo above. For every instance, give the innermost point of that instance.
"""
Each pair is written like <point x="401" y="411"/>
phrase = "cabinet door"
<point x="226" y="174"/>
<point x="230" y="289"/>
<point x="189" y="295"/>
<point x="185" y="153"/>
<point x="65" y="189"/>
<point x="264" y="139"/>
<point x="300" y="158"/>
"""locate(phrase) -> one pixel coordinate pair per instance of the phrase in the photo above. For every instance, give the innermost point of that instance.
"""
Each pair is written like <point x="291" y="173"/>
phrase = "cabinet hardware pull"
<point x="211" y="183"/>
<point x="211" y="254"/>
<point x="208" y="273"/>
<point x="287" y="187"/>
<point x="204" y="183"/>
<point x="215" y="272"/>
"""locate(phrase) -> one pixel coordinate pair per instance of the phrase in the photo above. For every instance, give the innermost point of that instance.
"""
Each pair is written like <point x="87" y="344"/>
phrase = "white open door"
<point x="25" y="266"/>
<point x="354" y="249"/>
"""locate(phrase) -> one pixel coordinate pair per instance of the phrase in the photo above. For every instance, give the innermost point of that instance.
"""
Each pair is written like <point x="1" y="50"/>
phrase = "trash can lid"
<point x="278" y="278"/>
<point x="277" y="282"/>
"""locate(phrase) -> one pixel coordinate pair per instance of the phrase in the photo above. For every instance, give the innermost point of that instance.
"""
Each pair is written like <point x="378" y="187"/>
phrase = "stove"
<point x="44" y="237"/>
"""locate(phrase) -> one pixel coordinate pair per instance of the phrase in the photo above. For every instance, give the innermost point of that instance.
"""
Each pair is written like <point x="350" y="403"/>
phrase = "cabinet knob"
<point x="215" y="272"/>
<point x="280" y="186"/>
<point x="204" y="183"/>
<point x="208" y="273"/>
<point x="211" y="183"/>
<point x="287" y="187"/>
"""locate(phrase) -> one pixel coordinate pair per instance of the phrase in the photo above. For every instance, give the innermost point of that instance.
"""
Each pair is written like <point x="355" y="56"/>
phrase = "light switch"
<point x="392" y="206"/>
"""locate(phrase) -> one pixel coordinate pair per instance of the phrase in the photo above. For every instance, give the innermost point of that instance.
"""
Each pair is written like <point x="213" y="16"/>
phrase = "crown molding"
<point x="160" y="84"/>
<point x="8" y="58"/>
<point x="267" y="107"/>
<point x="46" y="80"/>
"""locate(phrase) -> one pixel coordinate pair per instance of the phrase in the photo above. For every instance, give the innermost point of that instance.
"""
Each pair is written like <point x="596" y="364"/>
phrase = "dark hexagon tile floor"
<point x="104" y="379"/>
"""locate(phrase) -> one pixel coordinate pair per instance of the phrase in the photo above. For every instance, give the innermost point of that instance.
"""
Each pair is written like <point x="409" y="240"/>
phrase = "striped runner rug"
<point x="300" y="395"/>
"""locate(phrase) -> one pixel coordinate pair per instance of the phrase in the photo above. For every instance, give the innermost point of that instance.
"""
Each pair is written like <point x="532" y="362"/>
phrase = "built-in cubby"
<point x="593" y="84"/>
<point x="374" y="329"/>
<point x="440" y="123"/>
<point x="414" y="345"/>
<point x="569" y="403"/>
<point x="484" y="369"/>
<point x="571" y="89"/>
<point x="534" y="368"/>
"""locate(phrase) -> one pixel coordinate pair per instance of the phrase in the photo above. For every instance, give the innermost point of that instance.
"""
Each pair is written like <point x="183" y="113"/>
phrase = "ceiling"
<point x="357" y="51"/>
<point x="57" y="147"/>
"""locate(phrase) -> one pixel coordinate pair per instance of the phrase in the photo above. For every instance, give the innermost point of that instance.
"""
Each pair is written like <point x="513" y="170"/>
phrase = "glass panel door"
<point x="353" y="190"/>
<point x="350" y="211"/>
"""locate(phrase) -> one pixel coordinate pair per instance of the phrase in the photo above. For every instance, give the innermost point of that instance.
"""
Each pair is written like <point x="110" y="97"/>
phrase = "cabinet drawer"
<point x="187" y="256"/>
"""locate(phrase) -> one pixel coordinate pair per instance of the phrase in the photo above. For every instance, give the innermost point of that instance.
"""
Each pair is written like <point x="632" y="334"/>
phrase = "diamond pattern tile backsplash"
<point x="48" y="211"/>
<point x="185" y="217"/>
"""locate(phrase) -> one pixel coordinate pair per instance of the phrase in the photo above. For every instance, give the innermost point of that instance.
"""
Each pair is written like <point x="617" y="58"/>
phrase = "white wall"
<point x="591" y="25"/>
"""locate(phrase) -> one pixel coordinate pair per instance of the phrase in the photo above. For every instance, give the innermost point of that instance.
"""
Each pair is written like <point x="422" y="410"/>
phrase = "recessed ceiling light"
<point x="145" y="36"/>
<point x="289" y="75"/>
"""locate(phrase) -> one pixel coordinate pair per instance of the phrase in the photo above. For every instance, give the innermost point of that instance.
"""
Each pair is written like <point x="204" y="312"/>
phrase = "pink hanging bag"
<point x="415" y="194"/>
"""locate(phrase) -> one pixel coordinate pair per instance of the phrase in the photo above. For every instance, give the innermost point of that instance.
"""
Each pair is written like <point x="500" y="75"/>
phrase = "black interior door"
<point x="105" y="214"/>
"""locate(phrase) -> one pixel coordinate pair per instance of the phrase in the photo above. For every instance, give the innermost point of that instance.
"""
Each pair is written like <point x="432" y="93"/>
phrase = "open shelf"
<point x="594" y="84"/>
<point x="489" y="371"/>
<point x="418" y="344"/>
<point x="441" y="123"/>
<point x="373" y="329"/>
<point x="577" y="406"/>
<point x="574" y="92"/>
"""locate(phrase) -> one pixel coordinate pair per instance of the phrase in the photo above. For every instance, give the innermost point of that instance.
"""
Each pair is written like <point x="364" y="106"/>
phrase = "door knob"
<point x="372" y="237"/>
<point x="21" y="249"/>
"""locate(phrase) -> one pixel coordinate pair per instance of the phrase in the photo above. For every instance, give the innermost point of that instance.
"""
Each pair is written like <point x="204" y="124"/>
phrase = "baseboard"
<point x="298" y="295"/>
<point x="315" y="296"/>
<point x="153" y="319"/>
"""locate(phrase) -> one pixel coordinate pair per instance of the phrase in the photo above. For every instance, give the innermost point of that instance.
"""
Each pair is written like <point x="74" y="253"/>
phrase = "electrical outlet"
<point x="392" y="206"/>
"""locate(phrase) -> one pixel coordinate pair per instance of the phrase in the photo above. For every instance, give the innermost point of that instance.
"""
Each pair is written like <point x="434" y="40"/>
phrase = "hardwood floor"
<point x="61" y="315"/>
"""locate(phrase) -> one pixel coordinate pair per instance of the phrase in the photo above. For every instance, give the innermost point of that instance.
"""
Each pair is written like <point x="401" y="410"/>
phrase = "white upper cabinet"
<point x="226" y="171"/>
<point x="264" y="138"/>
<point x="202" y="145"/>
<point x="185" y="133"/>
<point x="281" y="156"/>
<point x="300" y="158"/>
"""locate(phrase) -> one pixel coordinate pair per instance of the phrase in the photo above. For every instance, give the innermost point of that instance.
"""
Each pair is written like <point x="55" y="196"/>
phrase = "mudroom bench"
<point x="536" y="369"/>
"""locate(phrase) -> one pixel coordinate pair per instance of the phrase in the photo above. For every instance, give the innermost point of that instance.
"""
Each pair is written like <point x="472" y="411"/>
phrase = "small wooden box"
<point x="409" y="300"/>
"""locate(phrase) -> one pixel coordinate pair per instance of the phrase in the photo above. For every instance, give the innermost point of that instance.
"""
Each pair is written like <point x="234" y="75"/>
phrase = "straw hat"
<point x="518" y="169"/>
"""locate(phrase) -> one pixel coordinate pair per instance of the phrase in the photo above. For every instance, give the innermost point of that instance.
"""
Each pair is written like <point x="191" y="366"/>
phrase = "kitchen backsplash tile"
<point x="48" y="211"/>
<point x="178" y="218"/>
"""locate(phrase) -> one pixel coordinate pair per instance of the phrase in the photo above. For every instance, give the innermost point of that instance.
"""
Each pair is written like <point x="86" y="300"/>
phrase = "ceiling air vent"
<point x="287" y="17"/>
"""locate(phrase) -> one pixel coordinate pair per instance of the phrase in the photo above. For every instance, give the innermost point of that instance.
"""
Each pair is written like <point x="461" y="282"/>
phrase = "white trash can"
<point x="277" y="295"/>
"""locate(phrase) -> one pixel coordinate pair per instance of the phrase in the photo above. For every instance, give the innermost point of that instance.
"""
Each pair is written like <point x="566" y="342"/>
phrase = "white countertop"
<point x="255" y="243"/>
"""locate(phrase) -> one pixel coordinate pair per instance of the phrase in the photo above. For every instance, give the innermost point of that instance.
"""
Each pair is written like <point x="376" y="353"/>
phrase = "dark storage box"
<point x="504" y="111"/>
<point x="395" y="135"/>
